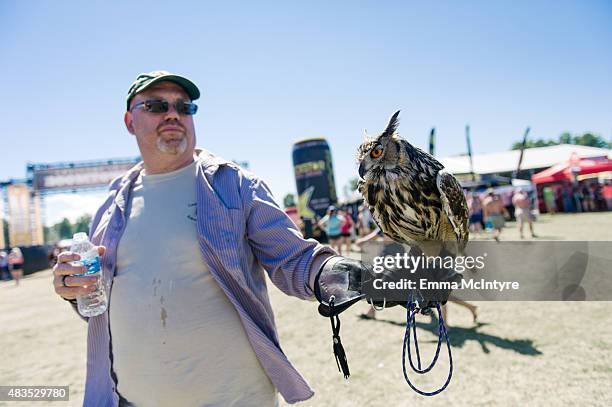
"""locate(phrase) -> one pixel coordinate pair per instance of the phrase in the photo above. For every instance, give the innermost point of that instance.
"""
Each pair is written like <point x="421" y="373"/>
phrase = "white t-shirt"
<point x="176" y="338"/>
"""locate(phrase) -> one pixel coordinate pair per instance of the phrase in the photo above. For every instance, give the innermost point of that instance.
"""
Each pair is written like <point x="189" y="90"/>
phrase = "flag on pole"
<point x="432" y="141"/>
<point x="469" y="151"/>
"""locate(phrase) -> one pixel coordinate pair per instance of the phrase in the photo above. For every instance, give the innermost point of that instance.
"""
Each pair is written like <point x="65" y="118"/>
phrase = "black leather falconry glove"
<point x="338" y="285"/>
<point x="340" y="278"/>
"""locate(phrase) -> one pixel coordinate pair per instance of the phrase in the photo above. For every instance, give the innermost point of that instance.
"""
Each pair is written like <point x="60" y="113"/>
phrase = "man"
<point x="475" y="211"/>
<point x="522" y="203"/>
<point x="549" y="200"/>
<point x="184" y="236"/>
<point x="493" y="209"/>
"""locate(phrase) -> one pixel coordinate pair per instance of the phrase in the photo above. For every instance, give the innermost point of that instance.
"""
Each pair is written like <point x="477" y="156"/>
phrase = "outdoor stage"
<point x="519" y="354"/>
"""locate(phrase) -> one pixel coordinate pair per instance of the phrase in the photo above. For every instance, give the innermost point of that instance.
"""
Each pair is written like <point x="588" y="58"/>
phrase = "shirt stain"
<point x="164" y="315"/>
<point x="156" y="284"/>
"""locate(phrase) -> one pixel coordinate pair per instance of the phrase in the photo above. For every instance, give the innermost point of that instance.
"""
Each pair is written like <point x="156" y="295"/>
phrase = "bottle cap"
<point x="81" y="236"/>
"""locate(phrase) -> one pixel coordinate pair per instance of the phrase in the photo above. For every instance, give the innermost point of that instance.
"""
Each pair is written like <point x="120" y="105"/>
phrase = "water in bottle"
<point x="94" y="303"/>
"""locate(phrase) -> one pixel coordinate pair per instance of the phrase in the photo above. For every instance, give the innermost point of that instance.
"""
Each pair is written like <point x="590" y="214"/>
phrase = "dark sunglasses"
<point x="162" y="106"/>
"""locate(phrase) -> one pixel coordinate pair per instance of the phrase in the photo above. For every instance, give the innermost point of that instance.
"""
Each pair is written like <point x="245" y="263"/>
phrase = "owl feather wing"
<point x="454" y="204"/>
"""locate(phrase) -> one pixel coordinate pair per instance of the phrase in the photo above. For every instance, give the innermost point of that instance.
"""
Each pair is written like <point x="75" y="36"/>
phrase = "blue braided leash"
<point x="411" y="311"/>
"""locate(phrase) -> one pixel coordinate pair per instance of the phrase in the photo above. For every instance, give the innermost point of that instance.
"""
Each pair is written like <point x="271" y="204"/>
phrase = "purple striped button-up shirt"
<point x="240" y="230"/>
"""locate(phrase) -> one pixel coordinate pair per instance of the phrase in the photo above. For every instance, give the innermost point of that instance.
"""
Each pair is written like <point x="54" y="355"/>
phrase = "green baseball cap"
<point x="144" y="80"/>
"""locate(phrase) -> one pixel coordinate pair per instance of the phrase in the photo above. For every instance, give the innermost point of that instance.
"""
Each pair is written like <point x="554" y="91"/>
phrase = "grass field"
<point x="529" y="353"/>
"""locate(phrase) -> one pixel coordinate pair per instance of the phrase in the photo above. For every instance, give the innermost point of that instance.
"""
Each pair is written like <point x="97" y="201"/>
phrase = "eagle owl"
<point x="410" y="195"/>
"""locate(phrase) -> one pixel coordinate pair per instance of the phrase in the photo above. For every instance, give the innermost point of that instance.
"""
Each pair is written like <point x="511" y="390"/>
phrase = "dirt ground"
<point x="519" y="353"/>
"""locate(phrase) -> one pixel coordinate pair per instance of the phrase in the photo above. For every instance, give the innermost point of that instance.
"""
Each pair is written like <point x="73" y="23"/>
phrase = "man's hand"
<point x="340" y="279"/>
<point x="68" y="286"/>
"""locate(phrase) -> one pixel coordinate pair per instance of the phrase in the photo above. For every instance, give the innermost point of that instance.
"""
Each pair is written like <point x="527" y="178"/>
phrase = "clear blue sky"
<point x="275" y="72"/>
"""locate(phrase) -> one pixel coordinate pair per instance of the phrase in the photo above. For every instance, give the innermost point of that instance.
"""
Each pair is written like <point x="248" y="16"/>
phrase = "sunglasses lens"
<point x="156" y="106"/>
<point x="187" y="108"/>
<point x="161" y="106"/>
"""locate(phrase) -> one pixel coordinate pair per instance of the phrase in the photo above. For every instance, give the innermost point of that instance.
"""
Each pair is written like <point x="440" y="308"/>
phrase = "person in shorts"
<point x="493" y="210"/>
<point x="522" y="211"/>
<point x="475" y="211"/>
<point x="345" y="231"/>
<point x="15" y="259"/>
<point x="331" y="223"/>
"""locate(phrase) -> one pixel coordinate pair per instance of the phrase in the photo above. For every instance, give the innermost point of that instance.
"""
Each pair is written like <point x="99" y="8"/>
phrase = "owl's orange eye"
<point x="376" y="152"/>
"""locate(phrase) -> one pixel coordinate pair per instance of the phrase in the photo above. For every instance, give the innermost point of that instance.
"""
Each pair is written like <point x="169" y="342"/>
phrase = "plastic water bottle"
<point x="94" y="303"/>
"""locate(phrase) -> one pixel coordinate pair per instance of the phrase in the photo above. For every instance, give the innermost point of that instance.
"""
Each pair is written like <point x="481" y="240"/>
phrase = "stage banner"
<point x="78" y="177"/>
<point x="20" y="233"/>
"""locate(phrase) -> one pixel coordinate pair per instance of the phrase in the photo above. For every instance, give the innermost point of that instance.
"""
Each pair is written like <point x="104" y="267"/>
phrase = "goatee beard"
<point x="166" y="148"/>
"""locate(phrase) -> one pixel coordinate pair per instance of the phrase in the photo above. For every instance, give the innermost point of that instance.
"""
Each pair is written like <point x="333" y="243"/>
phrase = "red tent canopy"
<point x="563" y="171"/>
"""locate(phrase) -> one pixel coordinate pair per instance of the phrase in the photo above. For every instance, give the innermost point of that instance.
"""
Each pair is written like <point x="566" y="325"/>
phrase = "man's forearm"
<point x="315" y="267"/>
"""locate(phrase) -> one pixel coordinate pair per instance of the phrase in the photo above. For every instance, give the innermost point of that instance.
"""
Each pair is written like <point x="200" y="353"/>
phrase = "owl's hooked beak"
<point x="362" y="170"/>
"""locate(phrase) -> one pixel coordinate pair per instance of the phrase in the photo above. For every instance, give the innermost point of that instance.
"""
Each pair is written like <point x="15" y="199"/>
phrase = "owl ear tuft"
<point x="392" y="126"/>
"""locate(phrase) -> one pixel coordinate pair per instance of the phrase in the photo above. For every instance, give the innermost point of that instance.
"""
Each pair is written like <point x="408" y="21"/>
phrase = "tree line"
<point x="65" y="229"/>
<point x="585" y="139"/>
